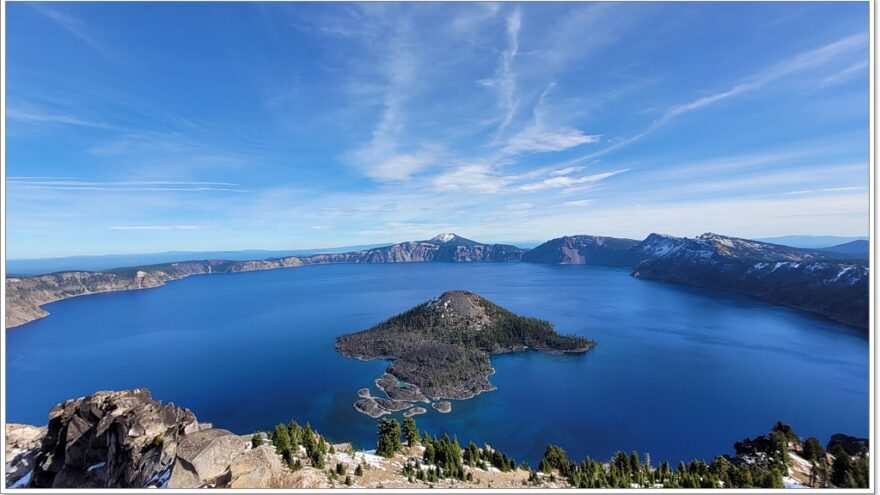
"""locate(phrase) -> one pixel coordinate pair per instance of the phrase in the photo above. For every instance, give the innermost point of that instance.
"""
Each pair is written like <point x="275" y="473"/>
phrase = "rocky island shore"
<point x="441" y="350"/>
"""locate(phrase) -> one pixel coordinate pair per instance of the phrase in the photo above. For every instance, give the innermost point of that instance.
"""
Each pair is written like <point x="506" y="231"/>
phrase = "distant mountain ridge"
<point x="26" y="295"/>
<point x="828" y="283"/>
<point x="40" y="266"/>
<point x="810" y="241"/>
<point x="858" y="249"/>
<point x="806" y="279"/>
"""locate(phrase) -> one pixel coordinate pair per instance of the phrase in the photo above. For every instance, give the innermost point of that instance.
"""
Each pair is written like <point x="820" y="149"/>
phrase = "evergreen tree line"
<point x="761" y="462"/>
<point x="287" y="440"/>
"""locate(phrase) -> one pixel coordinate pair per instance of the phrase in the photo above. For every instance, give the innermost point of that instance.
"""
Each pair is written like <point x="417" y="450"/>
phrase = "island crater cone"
<point x="441" y="348"/>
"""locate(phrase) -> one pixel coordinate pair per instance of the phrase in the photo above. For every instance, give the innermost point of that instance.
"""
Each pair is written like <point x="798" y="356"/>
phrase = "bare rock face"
<point x="119" y="439"/>
<point x="22" y="445"/>
<point x="255" y="468"/>
<point x="203" y="458"/>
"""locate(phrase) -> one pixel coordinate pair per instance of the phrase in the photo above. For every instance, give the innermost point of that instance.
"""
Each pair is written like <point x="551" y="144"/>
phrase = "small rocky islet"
<point x="441" y="350"/>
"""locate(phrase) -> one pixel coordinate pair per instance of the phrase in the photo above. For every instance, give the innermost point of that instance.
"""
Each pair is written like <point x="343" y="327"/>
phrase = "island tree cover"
<point x="443" y="346"/>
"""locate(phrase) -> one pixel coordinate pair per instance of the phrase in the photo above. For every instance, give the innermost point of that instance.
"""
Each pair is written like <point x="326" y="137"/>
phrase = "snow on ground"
<point x="790" y="482"/>
<point x="369" y="457"/>
<point x="799" y="463"/>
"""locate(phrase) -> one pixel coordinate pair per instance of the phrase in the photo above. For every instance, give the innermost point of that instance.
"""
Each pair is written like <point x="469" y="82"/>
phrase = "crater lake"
<point x="677" y="372"/>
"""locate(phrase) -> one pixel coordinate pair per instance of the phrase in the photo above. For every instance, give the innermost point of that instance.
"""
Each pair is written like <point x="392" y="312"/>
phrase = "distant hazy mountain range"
<point x="108" y="261"/>
<point x="829" y="282"/>
<point x="811" y="241"/>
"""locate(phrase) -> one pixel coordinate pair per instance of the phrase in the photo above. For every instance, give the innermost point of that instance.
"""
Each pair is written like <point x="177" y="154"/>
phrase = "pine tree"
<point x="812" y="449"/>
<point x="359" y="470"/>
<point x="281" y="440"/>
<point x="389" y="438"/>
<point x="411" y="431"/>
<point x="256" y="440"/>
<point x="295" y="434"/>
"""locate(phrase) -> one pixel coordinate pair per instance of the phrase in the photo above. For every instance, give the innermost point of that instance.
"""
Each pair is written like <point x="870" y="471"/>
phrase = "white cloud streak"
<point x="150" y="228"/>
<point x="568" y="181"/>
<point x="504" y="82"/>
<point x="800" y="63"/>
<point x="73" y="25"/>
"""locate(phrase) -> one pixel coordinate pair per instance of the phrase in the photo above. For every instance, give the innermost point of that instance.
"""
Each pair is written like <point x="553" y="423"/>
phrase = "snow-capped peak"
<point x="444" y="237"/>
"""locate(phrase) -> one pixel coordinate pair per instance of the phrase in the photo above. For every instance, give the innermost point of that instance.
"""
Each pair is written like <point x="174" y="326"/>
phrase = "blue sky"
<point x="151" y="127"/>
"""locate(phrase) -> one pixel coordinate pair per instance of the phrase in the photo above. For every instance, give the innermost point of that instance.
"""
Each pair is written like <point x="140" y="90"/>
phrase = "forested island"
<point x="441" y="348"/>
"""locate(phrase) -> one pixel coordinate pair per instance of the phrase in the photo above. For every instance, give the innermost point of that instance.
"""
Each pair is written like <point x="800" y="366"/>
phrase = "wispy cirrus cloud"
<point x="504" y="83"/>
<point x="385" y="157"/>
<point x="800" y="63"/>
<point x="37" y="117"/>
<point x="568" y="181"/>
<point x="152" y="228"/>
<point x="73" y="25"/>
<point x="478" y="177"/>
<point x="66" y="184"/>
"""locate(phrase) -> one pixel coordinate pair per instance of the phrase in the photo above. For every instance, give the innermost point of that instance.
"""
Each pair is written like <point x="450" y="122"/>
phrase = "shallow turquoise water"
<point x="679" y="372"/>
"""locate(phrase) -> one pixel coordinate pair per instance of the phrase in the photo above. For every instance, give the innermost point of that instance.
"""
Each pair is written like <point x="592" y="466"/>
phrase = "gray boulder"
<point x="255" y="468"/>
<point x="203" y="458"/>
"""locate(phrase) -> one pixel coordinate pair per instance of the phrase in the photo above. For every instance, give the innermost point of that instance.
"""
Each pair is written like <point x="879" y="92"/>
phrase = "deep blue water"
<point x="678" y="372"/>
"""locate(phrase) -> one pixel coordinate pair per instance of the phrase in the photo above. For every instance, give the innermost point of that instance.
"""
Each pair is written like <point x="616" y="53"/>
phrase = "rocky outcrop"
<point x="110" y="439"/>
<point x="255" y="468"/>
<point x="22" y="445"/>
<point x="415" y="411"/>
<point x="204" y="457"/>
<point x="398" y="390"/>
<point x="25" y="296"/>
<point x="126" y="439"/>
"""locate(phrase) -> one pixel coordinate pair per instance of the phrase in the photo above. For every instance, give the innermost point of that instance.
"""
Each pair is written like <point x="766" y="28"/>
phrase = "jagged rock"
<point x="119" y="439"/>
<point x="203" y="458"/>
<point x="414" y="411"/>
<point x="397" y="390"/>
<point x="22" y="445"/>
<point x="255" y="468"/>
<point x="370" y="407"/>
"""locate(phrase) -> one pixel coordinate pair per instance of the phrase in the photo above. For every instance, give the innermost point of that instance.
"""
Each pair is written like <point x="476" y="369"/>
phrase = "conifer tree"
<point x="389" y="438"/>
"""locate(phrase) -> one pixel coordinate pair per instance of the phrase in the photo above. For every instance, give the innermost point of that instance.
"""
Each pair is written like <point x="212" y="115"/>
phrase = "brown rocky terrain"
<point x="126" y="439"/>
